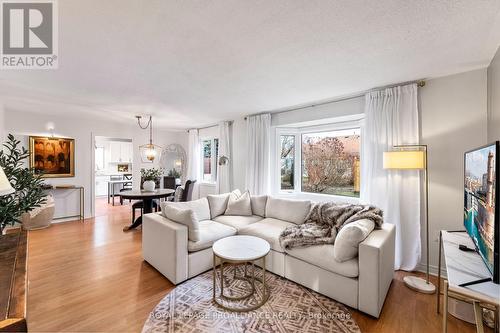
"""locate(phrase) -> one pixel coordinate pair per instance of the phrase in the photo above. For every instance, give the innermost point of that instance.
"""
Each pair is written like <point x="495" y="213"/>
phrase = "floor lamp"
<point x="5" y="187"/>
<point x="413" y="157"/>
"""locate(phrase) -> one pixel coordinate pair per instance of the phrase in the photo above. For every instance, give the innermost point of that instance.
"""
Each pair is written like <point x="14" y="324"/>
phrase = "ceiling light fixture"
<point x="148" y="151"/>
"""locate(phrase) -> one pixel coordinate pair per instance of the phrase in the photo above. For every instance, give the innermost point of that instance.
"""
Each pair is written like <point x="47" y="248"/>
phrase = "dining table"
<point x="147" y="198"/>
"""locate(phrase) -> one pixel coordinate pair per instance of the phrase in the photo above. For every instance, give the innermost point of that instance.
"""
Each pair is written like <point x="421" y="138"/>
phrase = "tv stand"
<point x="468" y="279"/>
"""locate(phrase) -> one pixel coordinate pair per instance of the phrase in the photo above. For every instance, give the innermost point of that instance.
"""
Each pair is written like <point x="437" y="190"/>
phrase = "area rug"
<point x="290" y="308"/>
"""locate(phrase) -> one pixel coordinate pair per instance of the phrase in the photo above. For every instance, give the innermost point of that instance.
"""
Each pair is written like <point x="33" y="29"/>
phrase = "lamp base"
<point x="419" y="284"/>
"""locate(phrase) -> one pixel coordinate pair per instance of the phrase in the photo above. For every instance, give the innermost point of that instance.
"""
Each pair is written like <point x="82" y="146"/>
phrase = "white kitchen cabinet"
<point x="115" y="152"/>
<point x="101" y="186"/>
<point x="121" y="152"/>
<point x="126" y="152"/>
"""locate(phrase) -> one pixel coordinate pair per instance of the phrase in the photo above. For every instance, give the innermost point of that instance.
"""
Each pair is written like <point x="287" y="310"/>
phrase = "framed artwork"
<point x="54" y="157"/>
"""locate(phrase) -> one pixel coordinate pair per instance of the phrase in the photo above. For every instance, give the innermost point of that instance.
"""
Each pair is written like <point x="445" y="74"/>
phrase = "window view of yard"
<point x="206" y="145"/>
<point x="210" y="151"/>
<point x="330" y="163"/>
<point x="287" y="161"/>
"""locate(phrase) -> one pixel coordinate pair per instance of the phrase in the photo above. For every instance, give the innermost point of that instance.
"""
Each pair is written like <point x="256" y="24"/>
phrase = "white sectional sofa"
<point x="361" y="283"/>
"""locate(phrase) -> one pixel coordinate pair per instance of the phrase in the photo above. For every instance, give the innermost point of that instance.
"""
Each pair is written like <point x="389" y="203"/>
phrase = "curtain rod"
<point x="209" y="126"/>
<point x="420" y="84"/>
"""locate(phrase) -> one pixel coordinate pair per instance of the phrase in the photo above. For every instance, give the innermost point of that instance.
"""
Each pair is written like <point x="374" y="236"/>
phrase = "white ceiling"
<point x="193" y="63"/>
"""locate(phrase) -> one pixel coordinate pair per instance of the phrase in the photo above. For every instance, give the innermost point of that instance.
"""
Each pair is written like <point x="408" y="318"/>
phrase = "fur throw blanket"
<point x="324" y="222"/>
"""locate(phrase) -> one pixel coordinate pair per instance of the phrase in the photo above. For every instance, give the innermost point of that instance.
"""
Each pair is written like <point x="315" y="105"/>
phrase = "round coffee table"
<point x="241" y="250"/>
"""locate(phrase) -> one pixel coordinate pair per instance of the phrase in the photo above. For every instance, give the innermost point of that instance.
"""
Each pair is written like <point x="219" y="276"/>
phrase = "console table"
<point x="463" y="267"/>
<point x="81" y="191"/>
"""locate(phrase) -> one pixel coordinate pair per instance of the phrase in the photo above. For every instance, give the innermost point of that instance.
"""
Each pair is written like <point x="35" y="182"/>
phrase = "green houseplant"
<point x="174" y="173"/>
<point x="149" y="176"/>
<point x="27" y="185"/>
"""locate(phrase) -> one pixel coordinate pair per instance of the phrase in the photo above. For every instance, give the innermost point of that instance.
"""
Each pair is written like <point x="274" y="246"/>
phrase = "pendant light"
<point x="149" y="152"/>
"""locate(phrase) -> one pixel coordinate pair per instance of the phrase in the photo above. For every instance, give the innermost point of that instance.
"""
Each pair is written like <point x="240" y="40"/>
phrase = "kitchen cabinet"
<point x="101" y="186"/>
<point x="121" y="152"/>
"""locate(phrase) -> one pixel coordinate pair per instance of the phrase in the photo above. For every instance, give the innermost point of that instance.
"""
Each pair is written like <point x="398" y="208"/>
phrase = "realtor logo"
<point x="29" y="34"/>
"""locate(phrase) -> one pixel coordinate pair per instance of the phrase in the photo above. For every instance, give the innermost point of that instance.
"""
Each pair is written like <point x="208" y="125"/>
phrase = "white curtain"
<point x="194" y="159"/>
<point x="258" y="149"/>
<point x="224" y="171"/>
<point x="391" y="118"/>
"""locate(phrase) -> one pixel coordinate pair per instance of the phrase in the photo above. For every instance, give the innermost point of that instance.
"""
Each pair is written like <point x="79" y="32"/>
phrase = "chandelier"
<point x="148" y="151"/>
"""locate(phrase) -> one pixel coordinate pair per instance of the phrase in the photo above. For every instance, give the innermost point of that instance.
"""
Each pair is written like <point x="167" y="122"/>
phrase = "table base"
<point x="264" y="291"/>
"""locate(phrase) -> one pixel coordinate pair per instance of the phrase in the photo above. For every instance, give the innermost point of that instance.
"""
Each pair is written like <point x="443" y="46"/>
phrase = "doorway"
<point x="113" y="170"/>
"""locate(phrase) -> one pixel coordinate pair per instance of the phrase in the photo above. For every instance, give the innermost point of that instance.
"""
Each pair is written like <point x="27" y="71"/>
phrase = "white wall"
<point x="3" y="135"/>
<point x="310" y="115"/>
<point x="494" y="98"/>
<point x="2" y="124"/>
<point x="454" y="119"/>
<point x="81" y="129"/>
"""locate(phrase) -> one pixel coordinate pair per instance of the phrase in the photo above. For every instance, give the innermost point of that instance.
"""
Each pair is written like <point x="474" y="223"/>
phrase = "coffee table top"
<point x="241" y="248"/>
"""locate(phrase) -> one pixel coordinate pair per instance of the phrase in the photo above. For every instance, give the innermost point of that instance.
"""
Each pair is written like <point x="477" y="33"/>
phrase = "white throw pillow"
<point x="184" y="216"/>
<point x="346" y="244"/>
<point x="218" y="204"/>
<point x="239" y="204"/>
<point x="200" y="207"/>
<point x="295" y="211"/>
<point x="259" y="204"/>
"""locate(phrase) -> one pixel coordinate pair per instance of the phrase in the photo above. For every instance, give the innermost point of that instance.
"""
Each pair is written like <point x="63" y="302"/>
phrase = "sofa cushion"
<point x="239" y="204"/>
<point x="237" y="222"/>
<point x="186" y="217"/>
<point x="268" y="229"/>
<point x="217" y="204"/>
<point x="289" y="210"/>
<point x="210" y="231"/>
<point x="348" y="238"/>
<point x="200" y="207"/>
<point x="258" y="204"/>
<point x="322" y="256"/>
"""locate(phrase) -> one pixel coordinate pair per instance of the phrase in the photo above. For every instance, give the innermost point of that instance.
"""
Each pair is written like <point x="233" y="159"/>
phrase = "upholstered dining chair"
<point x="187" y="194"/>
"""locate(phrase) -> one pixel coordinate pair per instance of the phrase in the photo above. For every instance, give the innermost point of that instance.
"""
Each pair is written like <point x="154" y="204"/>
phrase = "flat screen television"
<point x="481" y="207"/>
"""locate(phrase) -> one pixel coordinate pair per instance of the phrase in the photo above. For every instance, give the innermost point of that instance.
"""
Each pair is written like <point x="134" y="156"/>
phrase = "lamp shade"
<point x="404" y="159"/>
<point x="5" y="187"/>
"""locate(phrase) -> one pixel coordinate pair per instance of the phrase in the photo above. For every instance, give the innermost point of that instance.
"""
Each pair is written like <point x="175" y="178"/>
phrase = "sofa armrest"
<point x="376" y="268"/>
<point x="164" y="246"/>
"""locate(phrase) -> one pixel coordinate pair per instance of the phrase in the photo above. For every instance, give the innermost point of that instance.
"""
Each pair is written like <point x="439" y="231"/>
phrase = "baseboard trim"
<point x="433" y="270"/>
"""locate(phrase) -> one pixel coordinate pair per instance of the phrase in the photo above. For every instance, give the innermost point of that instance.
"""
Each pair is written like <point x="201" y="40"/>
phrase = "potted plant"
<point x="28" y="193"/>
<point x="149" y="176"/>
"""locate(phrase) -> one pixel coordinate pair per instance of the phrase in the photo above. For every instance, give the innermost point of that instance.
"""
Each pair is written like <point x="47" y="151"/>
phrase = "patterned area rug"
<point x="290" y="308"/>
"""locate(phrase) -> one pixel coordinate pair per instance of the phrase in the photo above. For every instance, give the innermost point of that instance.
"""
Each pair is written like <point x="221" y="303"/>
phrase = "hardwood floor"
<point x="90" y="277"/>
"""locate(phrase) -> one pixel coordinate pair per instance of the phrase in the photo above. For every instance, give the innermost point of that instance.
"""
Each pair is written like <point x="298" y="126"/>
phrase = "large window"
<point x="209" y="152"/>
<point x="287" y="161"/>
<point x="328" y="161"/>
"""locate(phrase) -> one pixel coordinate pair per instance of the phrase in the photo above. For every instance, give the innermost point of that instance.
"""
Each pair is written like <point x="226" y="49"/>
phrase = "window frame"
<point x="213" y="160"/>
<point x="298" y="132"/>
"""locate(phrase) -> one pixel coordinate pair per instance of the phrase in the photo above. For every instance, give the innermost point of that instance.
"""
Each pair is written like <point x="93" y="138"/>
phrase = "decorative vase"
<point x="177" y="181"/>
<point x="149" y="185"/>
